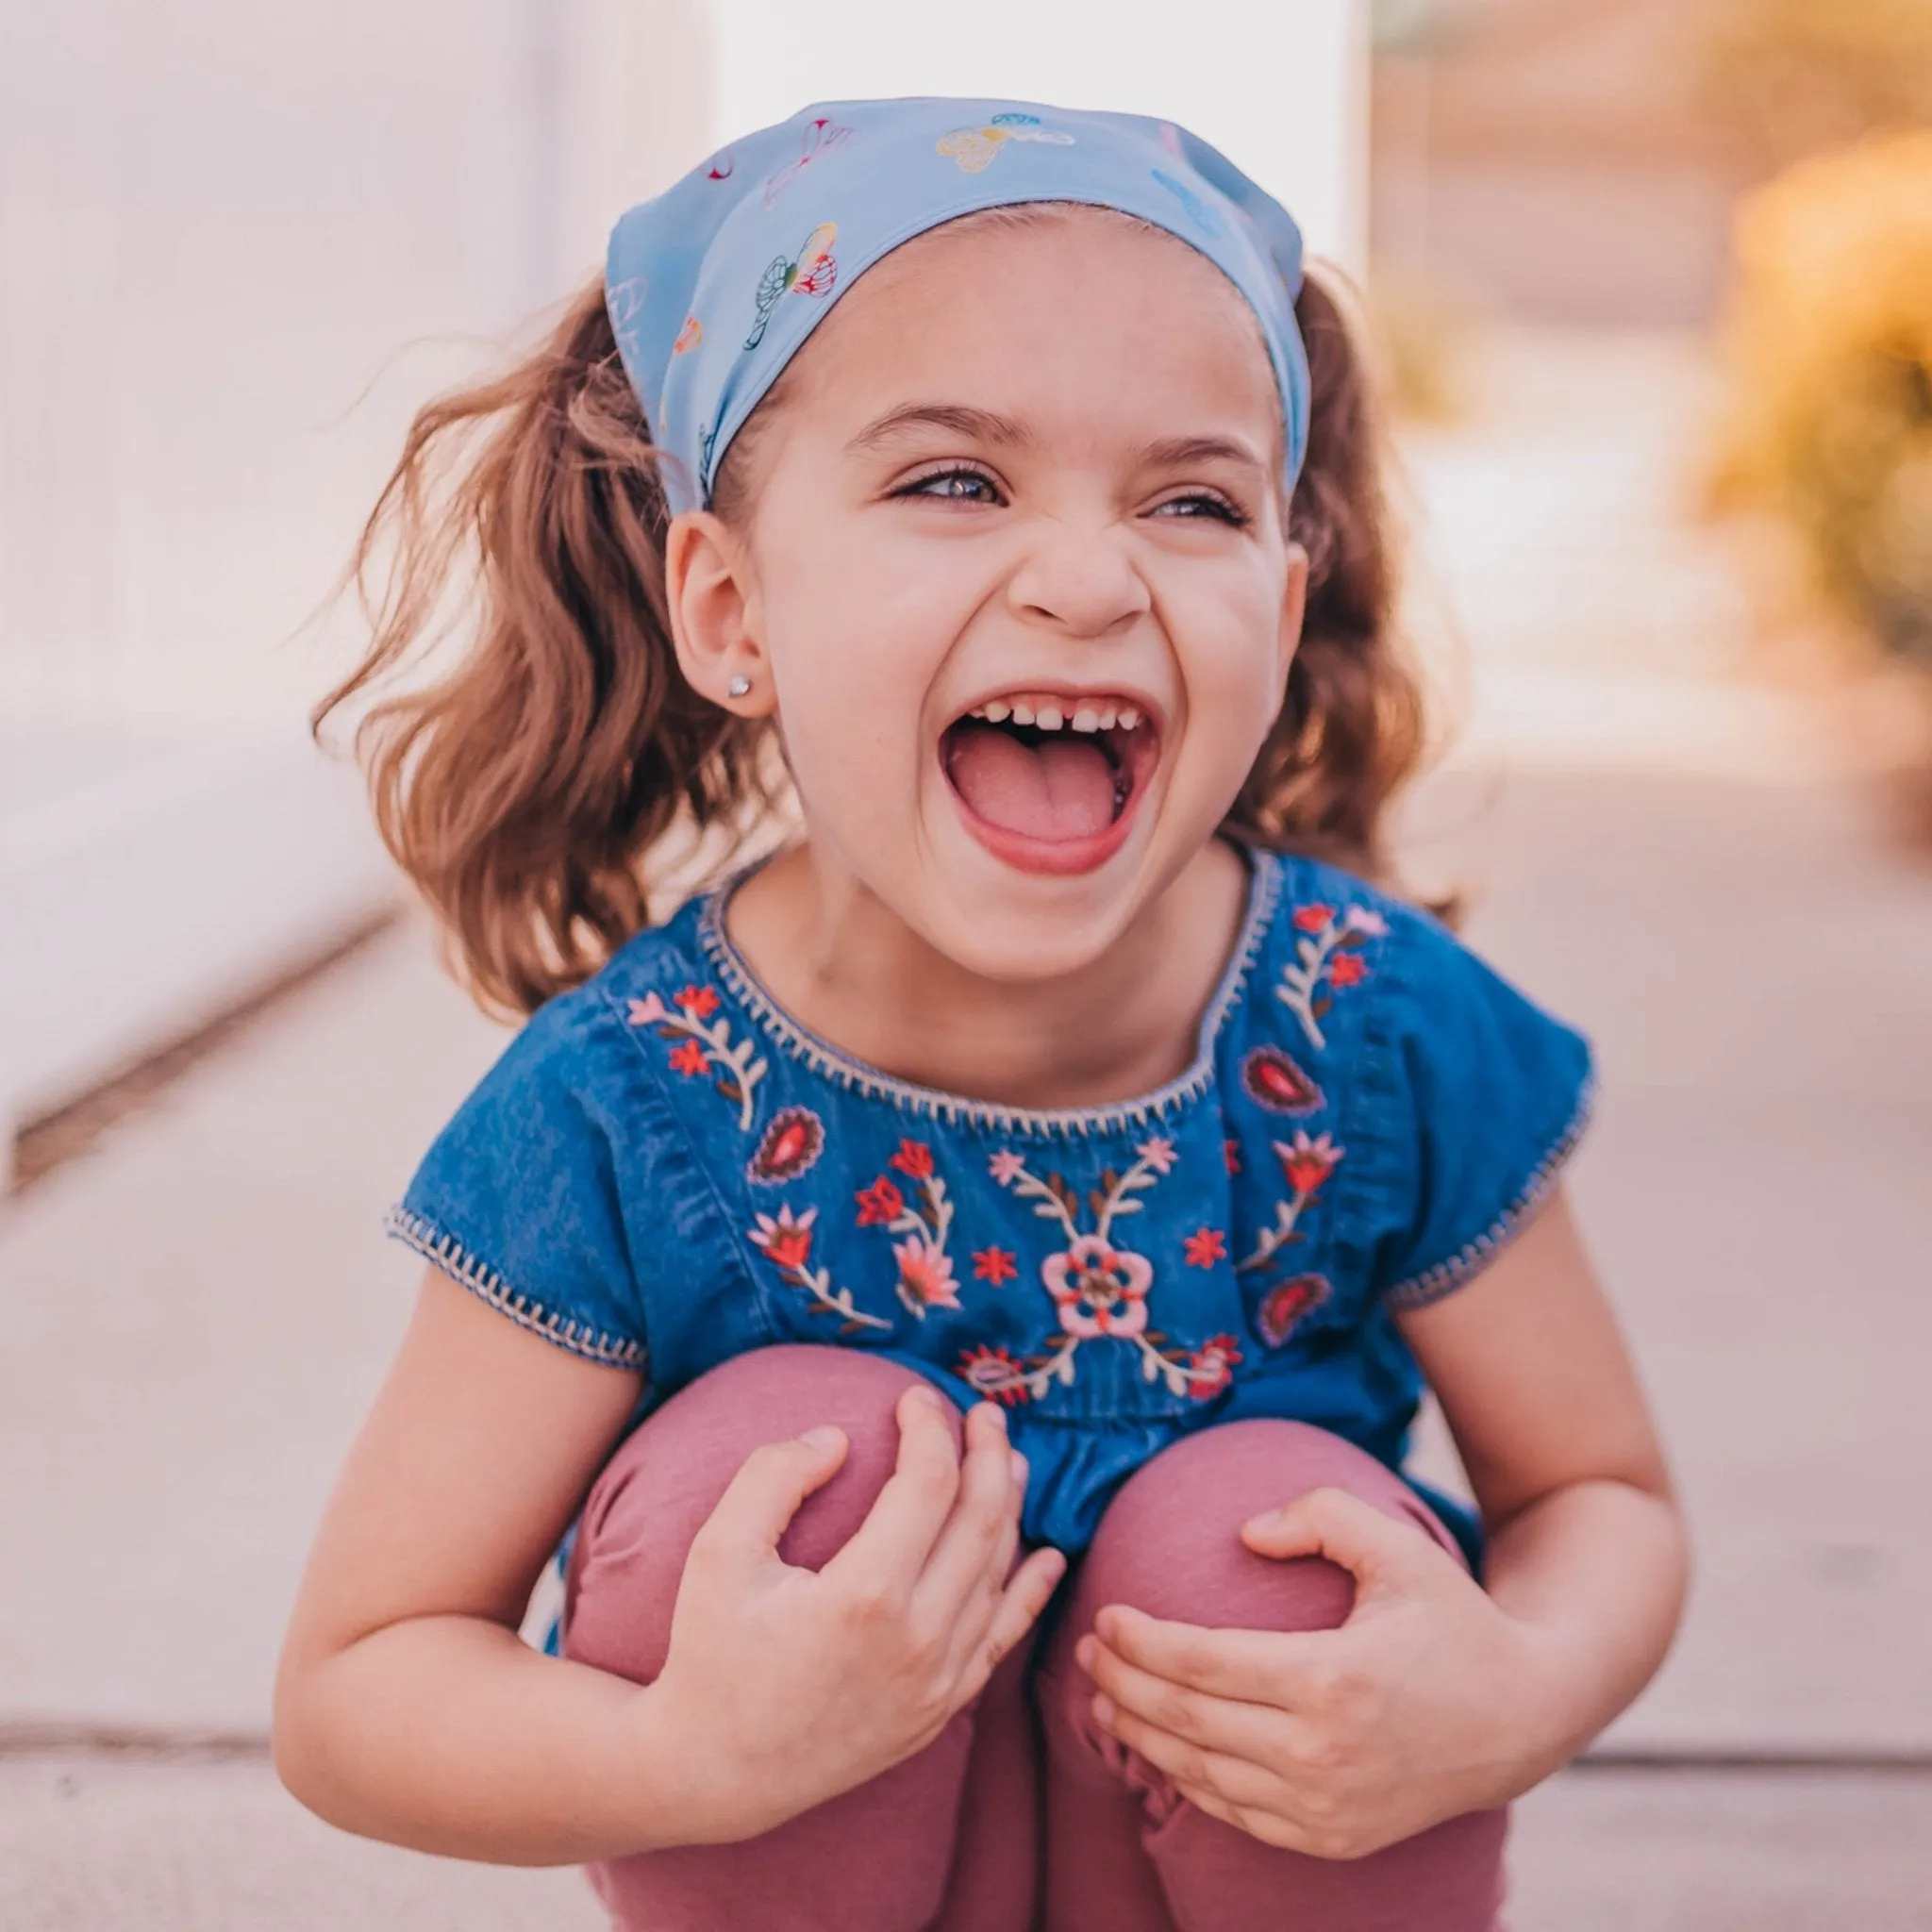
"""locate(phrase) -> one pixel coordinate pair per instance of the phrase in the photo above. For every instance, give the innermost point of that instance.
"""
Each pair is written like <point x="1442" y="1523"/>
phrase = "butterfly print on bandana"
<point x="1098" y="1287"/>
<point x="813" y="273"/>
<point x="820" y="137"/>
<point x="976" y="149"/>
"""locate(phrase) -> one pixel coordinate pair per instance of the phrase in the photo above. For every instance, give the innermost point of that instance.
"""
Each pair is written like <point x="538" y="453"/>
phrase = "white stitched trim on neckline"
<point x="855" y="1077"/>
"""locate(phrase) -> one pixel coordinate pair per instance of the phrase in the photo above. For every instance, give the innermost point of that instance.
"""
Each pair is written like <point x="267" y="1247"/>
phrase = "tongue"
<point x="1061" y="790"/>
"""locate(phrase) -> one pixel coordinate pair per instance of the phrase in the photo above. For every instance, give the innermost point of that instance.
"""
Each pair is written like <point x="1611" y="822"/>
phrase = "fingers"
<point x="968" y="1560"/>
<point x="765" y="1494"/>
<point x="1271" y="1666"/>
<point x="898" y="1535"/>
<point x="1021" y="1601"/>
<point x="1232" y="1781"/>
<point x="1373" y="1547"/>
<point x="1258" y="1733"/>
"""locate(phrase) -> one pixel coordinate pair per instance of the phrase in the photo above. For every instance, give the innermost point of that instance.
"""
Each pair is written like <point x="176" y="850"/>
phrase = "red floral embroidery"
<point x="880" y="1205"/>
<point x="792" y="1143"/>
<point x="995" y="1265"/>
<point x="1284" y="1306"/>
<point x="1231" y="1154"/>
<point x="914" y="1157"/>
<point x="1206" y="1246"/>
<point x="1305" y="1163"/>
<point x="1212" y="1366"/>
<point x="705" y="1042"/>
<point x="1273" y="1080"/>
<point x="785" y="1240"/>
<point x="1322" y="955"/>
<point x="997" y="1372"/>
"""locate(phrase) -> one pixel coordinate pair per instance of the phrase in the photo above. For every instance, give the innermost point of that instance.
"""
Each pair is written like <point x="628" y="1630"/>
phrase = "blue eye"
<point x="953" y="486"/>
<point x="1216" y="507"/>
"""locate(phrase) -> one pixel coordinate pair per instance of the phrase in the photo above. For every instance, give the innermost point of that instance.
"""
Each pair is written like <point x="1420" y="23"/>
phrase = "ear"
<point x="712" y="592"/>
<point x="1294" y="609"/>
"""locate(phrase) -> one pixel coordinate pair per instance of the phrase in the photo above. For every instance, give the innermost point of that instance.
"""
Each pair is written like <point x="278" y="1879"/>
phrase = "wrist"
<point x="687" y="1787"/>
<point x="1555" y="1711"/>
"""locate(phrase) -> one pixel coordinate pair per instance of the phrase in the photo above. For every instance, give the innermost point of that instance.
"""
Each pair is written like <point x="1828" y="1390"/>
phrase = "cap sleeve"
<point x="517" y="1197"/>
<point x="1483" y="1096"/>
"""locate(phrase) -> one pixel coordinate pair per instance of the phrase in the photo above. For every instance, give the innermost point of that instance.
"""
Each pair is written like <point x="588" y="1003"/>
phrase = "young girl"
<point x="1060" y="1162"/>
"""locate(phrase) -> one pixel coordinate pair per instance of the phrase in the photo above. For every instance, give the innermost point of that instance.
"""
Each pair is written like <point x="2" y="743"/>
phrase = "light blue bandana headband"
<point x="713" y="286"/>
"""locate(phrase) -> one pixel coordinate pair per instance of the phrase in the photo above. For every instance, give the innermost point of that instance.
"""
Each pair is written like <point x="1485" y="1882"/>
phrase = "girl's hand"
<point x="1429" y="1701"/>
<point x="783" y="1688"/>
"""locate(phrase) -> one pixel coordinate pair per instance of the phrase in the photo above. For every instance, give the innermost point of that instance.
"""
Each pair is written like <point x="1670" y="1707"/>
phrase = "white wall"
<point x="1281" y="85"/>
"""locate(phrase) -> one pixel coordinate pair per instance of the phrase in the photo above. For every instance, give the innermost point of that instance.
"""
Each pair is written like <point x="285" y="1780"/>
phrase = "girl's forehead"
<point x="1060" y="308"/>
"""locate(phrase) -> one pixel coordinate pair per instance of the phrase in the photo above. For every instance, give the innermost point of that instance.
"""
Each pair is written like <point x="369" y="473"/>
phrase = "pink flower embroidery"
<point x="1283" y="1307"/>
<point x="1212" y="1366"/>
<point x="646" y="1011"/>
<point x="879" y="1204"/>
<point x="1099" y="1289"/>
<point x="995" y="1265"/>
<point x="1305" y="1163"/>
<point x="1157" y="1153"/>
<point x="926" y="1275"/>
<point x="1005" y="1167"/>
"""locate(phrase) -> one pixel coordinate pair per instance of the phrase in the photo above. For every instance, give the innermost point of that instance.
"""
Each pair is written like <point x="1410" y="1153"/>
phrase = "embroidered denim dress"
<point x="664" y="1170"/>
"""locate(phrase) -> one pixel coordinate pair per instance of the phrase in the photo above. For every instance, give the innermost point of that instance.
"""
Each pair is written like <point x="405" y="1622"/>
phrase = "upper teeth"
<point x="1048" y="713"/>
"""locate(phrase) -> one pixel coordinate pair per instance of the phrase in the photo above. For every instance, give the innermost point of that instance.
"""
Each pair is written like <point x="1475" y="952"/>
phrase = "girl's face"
<point x="1017" y="580"/>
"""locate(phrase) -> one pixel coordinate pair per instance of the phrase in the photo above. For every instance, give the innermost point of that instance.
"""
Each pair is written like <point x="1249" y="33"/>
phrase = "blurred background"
<point x="1651" y="281"/>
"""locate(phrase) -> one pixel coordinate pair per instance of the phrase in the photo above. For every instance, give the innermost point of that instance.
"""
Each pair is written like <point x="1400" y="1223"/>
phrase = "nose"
<point x="1080" y="580"/>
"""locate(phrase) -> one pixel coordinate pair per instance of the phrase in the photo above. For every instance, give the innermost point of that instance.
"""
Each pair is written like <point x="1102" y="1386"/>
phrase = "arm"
<point x="407" y="1708"/>
<point x="1437" y="1697"/>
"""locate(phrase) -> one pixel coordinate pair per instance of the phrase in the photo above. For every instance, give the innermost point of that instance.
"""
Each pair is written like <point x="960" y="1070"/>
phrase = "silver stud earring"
<point x="739" y="687"/>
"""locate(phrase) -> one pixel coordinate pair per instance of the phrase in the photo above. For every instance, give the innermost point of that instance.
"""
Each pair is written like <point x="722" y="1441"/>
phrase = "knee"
<point x="1170" y="1543"/>
<point x="666" y="1478"/>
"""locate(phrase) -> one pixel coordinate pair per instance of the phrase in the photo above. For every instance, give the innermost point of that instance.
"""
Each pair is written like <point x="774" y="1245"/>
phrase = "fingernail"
<point x="996" y="1415"/>
<point x="823" y="1437"/>
<point x="1102" y="1710"/>
<point x="1084" y="1653"/>
<point x="926" y="1392"/>
<point x="1268" y="1520"/>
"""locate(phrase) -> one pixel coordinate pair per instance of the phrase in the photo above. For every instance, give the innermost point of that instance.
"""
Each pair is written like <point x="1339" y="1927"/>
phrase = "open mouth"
<point x="1049" y="780"/>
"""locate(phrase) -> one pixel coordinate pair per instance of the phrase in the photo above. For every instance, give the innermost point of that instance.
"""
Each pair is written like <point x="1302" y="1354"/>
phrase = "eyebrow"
<point x="982" y="425"/>
<point x="988" y="425"/>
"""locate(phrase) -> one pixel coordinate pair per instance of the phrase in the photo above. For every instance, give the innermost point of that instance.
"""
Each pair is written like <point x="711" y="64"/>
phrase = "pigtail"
<point x="1350" y="733"/>
<point x="522" y="786"/>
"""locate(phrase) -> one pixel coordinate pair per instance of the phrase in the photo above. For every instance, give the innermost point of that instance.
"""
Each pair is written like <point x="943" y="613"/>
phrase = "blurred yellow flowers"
<point x="1828" y="348"/>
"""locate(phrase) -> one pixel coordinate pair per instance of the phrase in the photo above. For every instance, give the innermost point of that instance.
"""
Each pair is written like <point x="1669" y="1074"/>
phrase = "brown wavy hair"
<point x="534" y="787"/>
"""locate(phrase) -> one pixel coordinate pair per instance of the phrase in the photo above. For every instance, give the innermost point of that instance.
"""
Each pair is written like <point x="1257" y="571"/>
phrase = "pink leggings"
<point x="1022" y="1813"/>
